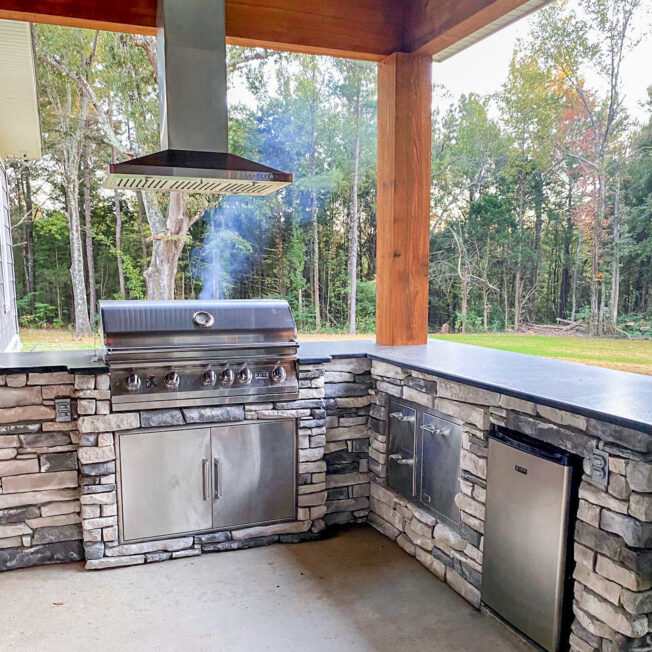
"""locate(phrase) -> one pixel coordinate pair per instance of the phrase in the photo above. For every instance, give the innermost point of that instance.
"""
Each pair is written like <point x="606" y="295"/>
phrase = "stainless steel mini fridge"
<point x="529" y="488"/>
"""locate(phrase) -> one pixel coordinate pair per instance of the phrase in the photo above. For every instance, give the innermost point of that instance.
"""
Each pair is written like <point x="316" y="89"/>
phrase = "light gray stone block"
<point x="95" y="455"/>
<point x="18" y="467"/>
<point x="114" y="562"/>
<point x="39" y="481"/>
<point x="466" y="393"/>
<point x="634" y="532"/>
<point x="109" y="422"/>
<point x="639" y="476"/>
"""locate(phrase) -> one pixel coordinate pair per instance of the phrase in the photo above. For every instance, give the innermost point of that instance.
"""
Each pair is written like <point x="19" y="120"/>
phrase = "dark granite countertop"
<point x="614" y="396"/>
<point x="77" y="362"/>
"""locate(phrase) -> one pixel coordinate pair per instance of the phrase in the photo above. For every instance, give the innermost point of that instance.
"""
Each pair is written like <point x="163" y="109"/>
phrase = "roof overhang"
<point x="20" y="129"/>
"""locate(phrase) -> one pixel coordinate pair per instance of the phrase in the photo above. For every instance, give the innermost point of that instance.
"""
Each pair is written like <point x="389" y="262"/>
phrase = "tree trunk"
<point x="169" y="236"/>
<point x="315" y="260"/>
<point x="82" y="322"/>
<point x="353" y="226"/>
<point x="90" y="260"/>
<point x="594" y="321"/>
<point x="564" y="289"/>
<point x="576" y="268"/>
<point x="30" y="281"/>
<point x="538" y="226"/>
<point x="615" y="261"/>
<point x="118" y="233"/>
<point x="141" y="212"/>
<point x="518" y="283"/>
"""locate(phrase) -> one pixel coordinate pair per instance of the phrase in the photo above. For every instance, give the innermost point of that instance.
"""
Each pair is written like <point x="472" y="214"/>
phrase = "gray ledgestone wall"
<point x="40" y="519"/>
<point x="613" y="531"/>
<point x="346" y="390"/>
<point x="98" y="480"/>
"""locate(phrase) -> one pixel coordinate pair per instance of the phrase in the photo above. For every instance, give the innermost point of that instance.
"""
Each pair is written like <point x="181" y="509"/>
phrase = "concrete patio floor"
<point x="353" y="591"/>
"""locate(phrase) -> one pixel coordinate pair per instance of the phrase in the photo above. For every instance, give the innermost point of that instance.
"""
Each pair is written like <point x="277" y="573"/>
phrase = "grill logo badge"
<point x="203" y="319"/>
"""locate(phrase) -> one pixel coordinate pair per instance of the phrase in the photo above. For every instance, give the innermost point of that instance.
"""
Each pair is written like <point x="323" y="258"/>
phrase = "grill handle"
<point x="217" y="478"/>
<point x="204" y="478"/>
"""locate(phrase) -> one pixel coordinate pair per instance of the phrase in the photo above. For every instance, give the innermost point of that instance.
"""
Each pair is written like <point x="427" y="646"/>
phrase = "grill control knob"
<point x="171" y="380"/>
<point x="278" y="374"/>
<point x="227" y="377"/>
<point x="208" y="378"/>
<point x="245" y="376"/>
<point x="132" y="382"/>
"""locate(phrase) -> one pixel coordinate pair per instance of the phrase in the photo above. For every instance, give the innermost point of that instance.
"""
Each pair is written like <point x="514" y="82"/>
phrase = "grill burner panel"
<point x="189" y="353"/>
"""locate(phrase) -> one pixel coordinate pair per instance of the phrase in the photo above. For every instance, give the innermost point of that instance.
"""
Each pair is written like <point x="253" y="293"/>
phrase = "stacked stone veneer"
<point x="347" y="399"/>
<point x="39" y="497"/>
<point x="612" y="564"/>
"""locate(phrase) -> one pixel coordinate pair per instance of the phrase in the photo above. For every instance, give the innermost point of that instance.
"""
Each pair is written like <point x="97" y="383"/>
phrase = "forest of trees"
<point x="541" y="193"/>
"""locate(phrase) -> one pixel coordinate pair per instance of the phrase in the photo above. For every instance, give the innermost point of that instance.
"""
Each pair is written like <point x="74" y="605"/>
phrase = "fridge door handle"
<point x="204" y="478"/>
<point x="217" y="479"/>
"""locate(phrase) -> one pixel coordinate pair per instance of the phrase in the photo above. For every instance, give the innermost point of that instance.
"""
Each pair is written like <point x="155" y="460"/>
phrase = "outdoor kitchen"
<point x="392" y="493"/>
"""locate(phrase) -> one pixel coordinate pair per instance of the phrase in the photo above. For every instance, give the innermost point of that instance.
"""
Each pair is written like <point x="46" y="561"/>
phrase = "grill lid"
<point x="196" y="324"/>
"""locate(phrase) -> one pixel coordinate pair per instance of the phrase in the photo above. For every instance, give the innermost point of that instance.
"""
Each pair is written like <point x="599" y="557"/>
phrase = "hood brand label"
<point x="520" y="469"/>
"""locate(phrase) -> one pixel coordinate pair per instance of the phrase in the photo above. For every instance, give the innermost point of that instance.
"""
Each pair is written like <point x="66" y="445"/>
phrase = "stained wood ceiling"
<point x="361" y="29"/>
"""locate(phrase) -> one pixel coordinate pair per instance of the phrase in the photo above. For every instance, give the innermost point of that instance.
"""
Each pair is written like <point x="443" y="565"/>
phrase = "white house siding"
<point x="9" y="340"/>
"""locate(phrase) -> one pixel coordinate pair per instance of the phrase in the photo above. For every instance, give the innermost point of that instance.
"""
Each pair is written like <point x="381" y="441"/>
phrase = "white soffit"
<point x="20" y="130"/>
<point x="488" y="30"/>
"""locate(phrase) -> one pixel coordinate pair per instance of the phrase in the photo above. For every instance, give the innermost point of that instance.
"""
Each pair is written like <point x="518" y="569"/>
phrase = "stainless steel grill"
<point x="193" y="353"/>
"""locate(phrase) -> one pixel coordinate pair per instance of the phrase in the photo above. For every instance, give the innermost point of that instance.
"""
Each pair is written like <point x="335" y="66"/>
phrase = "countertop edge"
<point x="86" y="366"/>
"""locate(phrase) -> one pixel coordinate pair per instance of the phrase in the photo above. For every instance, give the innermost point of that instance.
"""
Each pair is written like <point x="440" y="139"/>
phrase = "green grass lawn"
<point x="626" y="355"/>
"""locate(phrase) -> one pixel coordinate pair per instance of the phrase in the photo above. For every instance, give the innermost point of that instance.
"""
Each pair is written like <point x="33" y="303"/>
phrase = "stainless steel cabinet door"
<point x="254" y="473"/>
<point x="441" y="441"/>
<point x="165" y="482"/>
<point x="401" y="472"/>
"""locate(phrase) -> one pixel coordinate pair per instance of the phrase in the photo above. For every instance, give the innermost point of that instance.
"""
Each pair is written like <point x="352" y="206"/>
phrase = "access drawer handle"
<point x="396" y="457"/>
<point x="399" y="416"/>
<point x="433" y="430"/>
<point x="204" y="478"/>
<point x="217" y="478"/>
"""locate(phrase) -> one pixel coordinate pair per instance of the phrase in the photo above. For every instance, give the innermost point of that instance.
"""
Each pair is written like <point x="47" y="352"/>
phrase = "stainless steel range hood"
<point x="191" y="44"/>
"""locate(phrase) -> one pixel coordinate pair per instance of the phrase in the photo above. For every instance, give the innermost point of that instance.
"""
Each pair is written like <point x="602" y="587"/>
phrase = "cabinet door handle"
<point x="396" y="457"/>
<point x="204" y="478"/>
<point x="217" y="478"/>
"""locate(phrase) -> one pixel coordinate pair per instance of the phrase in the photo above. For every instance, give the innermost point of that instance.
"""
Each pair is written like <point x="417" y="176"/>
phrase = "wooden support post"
<point x="403" y="231"/>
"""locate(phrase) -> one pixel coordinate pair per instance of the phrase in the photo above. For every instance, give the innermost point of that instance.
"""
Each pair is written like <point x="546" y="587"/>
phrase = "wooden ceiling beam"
<point x="432" y="26"/>
<point x="363" y="29"/>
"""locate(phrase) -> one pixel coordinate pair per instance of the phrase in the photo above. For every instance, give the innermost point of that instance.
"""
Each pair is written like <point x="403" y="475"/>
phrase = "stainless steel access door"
<point x="439" y="457"/>
<point x="254" y="473"/>
<point x="401" y="462"/>
<point x="525" y="541"/>
<point x="165" y="482"/>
